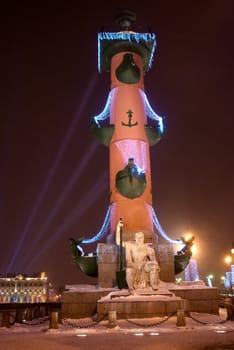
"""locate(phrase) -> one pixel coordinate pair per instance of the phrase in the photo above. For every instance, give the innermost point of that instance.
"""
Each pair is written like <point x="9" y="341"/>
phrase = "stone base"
<point x="139" y="305"/>
<point x="200" y="297"/>
<point x="81" y="301"/>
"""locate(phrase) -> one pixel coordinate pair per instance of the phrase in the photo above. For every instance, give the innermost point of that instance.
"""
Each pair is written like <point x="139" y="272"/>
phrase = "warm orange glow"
<point x="232" y="250"/>
<point x="188" y="236"/>
<point x="228" y="259"/>
<point x="194" y="249"/>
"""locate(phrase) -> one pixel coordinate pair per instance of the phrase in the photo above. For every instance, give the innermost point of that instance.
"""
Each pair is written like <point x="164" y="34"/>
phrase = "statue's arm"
<point x="117" y="234"/>
<point x="151" y="254"/>
<point x="129" y="258"/>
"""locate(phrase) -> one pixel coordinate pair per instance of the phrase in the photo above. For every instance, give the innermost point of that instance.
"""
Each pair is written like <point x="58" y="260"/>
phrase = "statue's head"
<point x="139" y="237"/>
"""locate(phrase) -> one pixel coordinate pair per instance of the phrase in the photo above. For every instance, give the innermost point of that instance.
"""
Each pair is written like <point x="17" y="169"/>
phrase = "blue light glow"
<point x="151" y="114"/>
<point x="158" y="227"/>
<point x="127" y="36"/>
<point x="191" y="272"/>
<point x="103" y="231"/>
<point x="130" y="36"/>
<point x="106" y="111"/>
<point x="106" y="224"/>
<point x="139" y="170"/>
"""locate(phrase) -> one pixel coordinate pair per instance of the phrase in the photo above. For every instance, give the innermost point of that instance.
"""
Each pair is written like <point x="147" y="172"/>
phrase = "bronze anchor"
<point x="129" y="124"/>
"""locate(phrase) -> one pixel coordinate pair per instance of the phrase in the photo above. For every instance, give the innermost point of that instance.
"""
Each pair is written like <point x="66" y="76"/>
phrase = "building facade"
<point x="21" y="288"/>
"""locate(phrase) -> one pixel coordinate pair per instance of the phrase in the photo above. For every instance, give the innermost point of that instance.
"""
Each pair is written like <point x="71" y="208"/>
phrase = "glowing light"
<point x="81" y="335"/>
<point x="106" y="111"/>
<point x="228" y="259"/>
<point x="43" y="276"/>
<point x="139" y="334"/>
<point x="188" y="237"/>
<point x="151" y="114"/>
<point x="20" y="277"/>
<point x="194" y="250"/>
<point x="178" y="279"/>
<point x="154" y="333"/>
<point x="209" y="280"/>
<point x="191" y="271"/>
<point x="130" y="37"/>
<point x="80" y="249"/>
<point x="158" y="227"/>
<point x="220" y="331"/>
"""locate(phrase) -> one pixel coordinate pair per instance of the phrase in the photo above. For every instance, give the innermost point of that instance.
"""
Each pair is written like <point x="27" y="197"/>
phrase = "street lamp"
<point x="228" y="259"/>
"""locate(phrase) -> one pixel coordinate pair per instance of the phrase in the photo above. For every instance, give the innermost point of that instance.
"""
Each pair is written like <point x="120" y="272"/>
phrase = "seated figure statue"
<point x="142" y="269"/>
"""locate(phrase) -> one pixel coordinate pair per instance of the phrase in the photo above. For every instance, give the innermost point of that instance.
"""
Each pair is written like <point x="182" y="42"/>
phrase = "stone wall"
<point x="81" y="303"/>
<point x="204" y="299"/>
<point x="142" y="308"/>
<point x="165" y="257"/>
<point x="107" y="265"/>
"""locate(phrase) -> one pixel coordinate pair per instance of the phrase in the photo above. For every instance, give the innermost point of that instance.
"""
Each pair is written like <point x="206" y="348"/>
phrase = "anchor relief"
<point x="129" y="124"/>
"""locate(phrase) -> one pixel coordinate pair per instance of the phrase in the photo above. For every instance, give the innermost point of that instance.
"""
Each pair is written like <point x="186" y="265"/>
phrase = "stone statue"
<point x="142" y="269"/>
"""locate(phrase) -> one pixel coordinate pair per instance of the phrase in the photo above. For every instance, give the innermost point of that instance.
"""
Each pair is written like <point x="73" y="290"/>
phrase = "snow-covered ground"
<point x="202" y="331"/>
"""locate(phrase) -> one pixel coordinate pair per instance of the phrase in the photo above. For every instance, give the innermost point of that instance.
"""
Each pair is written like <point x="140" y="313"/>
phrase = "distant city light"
<point x="179" y="279"/>
<point x="220" y="331"/>
<point x="209" y="280"/>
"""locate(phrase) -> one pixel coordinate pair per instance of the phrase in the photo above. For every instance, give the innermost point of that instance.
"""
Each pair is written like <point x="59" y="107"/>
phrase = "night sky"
<point x="54" y="173"/>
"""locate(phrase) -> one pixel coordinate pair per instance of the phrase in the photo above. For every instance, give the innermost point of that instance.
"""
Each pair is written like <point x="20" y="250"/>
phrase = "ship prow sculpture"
<point x="128" y="126"/>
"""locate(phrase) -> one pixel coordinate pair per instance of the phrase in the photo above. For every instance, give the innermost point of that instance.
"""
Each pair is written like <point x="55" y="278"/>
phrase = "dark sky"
<point x="54" y="174"/>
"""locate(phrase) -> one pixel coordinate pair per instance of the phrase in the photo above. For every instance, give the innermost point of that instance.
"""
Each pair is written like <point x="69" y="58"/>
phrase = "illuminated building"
<point x="21" y="288"/>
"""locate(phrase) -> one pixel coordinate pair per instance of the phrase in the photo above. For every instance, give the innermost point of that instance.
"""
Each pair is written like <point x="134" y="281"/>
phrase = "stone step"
<point x="139" y="305"/>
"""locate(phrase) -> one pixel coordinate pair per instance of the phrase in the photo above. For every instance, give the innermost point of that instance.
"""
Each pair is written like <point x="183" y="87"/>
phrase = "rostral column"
<point x="128" y="55"/>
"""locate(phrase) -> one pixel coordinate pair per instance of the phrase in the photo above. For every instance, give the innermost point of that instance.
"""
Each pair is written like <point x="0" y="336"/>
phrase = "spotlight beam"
<point x="57" y="206"/>
<point x="58" y="158"/>
<point x="83" y="205"/>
